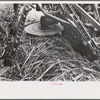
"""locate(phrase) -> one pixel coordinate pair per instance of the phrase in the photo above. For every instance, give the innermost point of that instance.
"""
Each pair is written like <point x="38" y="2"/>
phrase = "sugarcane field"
<point x="50" y="42"/>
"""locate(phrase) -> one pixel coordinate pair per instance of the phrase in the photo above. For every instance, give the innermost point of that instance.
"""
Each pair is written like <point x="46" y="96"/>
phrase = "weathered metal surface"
<point x="35" y="29"/>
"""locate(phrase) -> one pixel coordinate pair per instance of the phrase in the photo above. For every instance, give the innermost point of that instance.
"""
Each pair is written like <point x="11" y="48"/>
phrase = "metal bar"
<point x="87" y="16"/>
<point x="56" y="18"/>
<point x="97" y="12"/>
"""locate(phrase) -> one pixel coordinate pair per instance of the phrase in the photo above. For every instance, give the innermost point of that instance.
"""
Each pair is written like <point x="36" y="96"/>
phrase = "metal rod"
<point x="87" y="16"/>
<point x="55" y="18"/>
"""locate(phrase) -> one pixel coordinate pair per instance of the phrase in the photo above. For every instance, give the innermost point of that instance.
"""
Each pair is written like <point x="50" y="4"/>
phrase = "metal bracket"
<point x="87" y="16"/>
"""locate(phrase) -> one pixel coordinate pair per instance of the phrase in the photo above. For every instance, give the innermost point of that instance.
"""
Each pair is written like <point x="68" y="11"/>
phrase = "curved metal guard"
<point x="35" y="29"/>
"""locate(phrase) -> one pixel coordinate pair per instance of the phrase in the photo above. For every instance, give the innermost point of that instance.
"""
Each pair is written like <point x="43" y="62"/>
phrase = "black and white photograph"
<point x="50" y="42"/>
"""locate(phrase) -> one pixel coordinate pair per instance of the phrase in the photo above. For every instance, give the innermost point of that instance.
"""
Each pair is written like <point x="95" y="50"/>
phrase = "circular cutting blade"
<point x="35" y="29"/>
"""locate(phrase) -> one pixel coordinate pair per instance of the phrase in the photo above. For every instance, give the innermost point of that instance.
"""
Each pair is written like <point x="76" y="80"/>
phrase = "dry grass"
<point x="50" y="59"/>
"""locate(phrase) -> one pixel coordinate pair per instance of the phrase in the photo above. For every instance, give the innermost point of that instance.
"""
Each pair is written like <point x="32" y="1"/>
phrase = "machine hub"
<point x="36" y="29"/>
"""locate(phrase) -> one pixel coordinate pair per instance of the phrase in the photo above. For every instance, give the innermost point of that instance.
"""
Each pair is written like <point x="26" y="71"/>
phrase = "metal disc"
<point x="35" y="29"/>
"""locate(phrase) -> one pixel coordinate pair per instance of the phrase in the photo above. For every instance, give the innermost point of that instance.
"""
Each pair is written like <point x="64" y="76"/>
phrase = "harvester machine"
<point x="76" y="24"/>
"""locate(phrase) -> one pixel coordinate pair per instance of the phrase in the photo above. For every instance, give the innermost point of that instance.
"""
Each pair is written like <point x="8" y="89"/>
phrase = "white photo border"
<point x="49" y="90"/>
